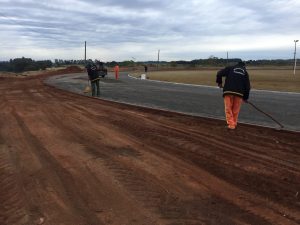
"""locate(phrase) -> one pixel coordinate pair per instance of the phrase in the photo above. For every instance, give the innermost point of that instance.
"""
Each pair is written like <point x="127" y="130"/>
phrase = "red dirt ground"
<point x="74" y="160"/>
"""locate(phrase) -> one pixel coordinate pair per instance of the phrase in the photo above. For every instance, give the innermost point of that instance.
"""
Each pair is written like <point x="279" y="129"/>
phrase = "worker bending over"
<point x="235" y="90"/>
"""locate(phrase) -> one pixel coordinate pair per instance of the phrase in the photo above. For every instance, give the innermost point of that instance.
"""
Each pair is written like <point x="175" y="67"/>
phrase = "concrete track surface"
<point x="74" y="160"/>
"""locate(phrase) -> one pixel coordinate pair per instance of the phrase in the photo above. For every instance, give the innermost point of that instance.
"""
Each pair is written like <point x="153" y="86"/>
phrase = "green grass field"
<point x="263" y="79"/>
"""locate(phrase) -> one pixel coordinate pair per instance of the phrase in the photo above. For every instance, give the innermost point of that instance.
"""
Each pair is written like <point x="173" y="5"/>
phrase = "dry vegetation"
<point x="264" y="79"/>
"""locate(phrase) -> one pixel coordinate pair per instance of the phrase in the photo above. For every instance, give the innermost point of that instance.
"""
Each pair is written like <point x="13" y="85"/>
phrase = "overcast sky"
<point x="135" y="29"/>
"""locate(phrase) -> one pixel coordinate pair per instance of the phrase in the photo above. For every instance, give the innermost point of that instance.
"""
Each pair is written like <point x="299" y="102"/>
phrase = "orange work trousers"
<point x="117" y="72"/>
<point x="232" y="109"/>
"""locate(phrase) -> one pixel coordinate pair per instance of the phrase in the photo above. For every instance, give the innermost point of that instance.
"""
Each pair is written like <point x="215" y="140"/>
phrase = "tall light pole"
<point x="295" y="59"/>
<point x="85" y="53"/>
<point x="158" y="58"/>
<point x="133" y="60"/>
<point x="227" y="59"/>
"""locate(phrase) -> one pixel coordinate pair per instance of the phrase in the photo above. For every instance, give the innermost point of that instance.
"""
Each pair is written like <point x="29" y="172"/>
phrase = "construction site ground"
<point x="74" y="160"/>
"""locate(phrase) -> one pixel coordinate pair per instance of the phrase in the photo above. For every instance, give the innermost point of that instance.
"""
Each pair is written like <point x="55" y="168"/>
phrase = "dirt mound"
<point x="51" y="71"/>
<point x="74" y="69"/>
<point x="67" y="70"/>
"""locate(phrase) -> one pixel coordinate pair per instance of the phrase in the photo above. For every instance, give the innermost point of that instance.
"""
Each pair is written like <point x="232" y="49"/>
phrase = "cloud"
<point x="118" y="30"/>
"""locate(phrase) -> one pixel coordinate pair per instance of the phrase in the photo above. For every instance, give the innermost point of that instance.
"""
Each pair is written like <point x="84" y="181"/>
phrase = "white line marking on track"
<point x="199" y="85"/>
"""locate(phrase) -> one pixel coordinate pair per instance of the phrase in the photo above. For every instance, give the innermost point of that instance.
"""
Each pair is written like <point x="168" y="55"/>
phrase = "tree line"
<point x="27" y="64"/>
<point x="24" y="64"/>
<point x="214" y="61"/>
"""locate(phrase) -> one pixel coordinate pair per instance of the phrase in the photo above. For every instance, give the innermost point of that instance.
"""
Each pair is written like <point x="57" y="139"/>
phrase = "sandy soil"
<point x="75" y="160"/>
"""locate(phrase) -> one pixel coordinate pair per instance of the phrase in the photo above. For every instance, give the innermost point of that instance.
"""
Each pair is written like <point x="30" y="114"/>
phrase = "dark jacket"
<point x="236" y="81"/>
<point x="102" y="71"/>
<point x="92" y="72"/>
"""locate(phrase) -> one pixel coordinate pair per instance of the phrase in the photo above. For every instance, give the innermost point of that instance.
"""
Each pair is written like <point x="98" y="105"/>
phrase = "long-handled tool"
<point x="255" y="107"/>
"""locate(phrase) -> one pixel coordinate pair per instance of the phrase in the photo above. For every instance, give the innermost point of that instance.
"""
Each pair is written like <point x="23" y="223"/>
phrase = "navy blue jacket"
<point x="92" y="72"/>
<point x="236" y="81"/>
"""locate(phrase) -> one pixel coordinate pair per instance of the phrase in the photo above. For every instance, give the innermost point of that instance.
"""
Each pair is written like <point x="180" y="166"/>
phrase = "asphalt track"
<point x="195" y="100"/>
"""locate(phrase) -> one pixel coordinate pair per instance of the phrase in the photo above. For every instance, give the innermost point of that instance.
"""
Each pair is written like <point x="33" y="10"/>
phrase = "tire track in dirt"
<point x="120" y="172"/>
<point x="232" y="146"/>
<point x="255" y="156"/>
<point x="235" y="145"/>
<point x="168" y="204"/>
<point x="187" y="143"/>
<point x="71" y="132"/>
<point x="12" y="208"/>
<point x="48" y="161"/>
<point x="130" y="182"/>
<point x="195" y="158"/>
<point x="150" y="198"/>
<point x="166" y="168"/>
